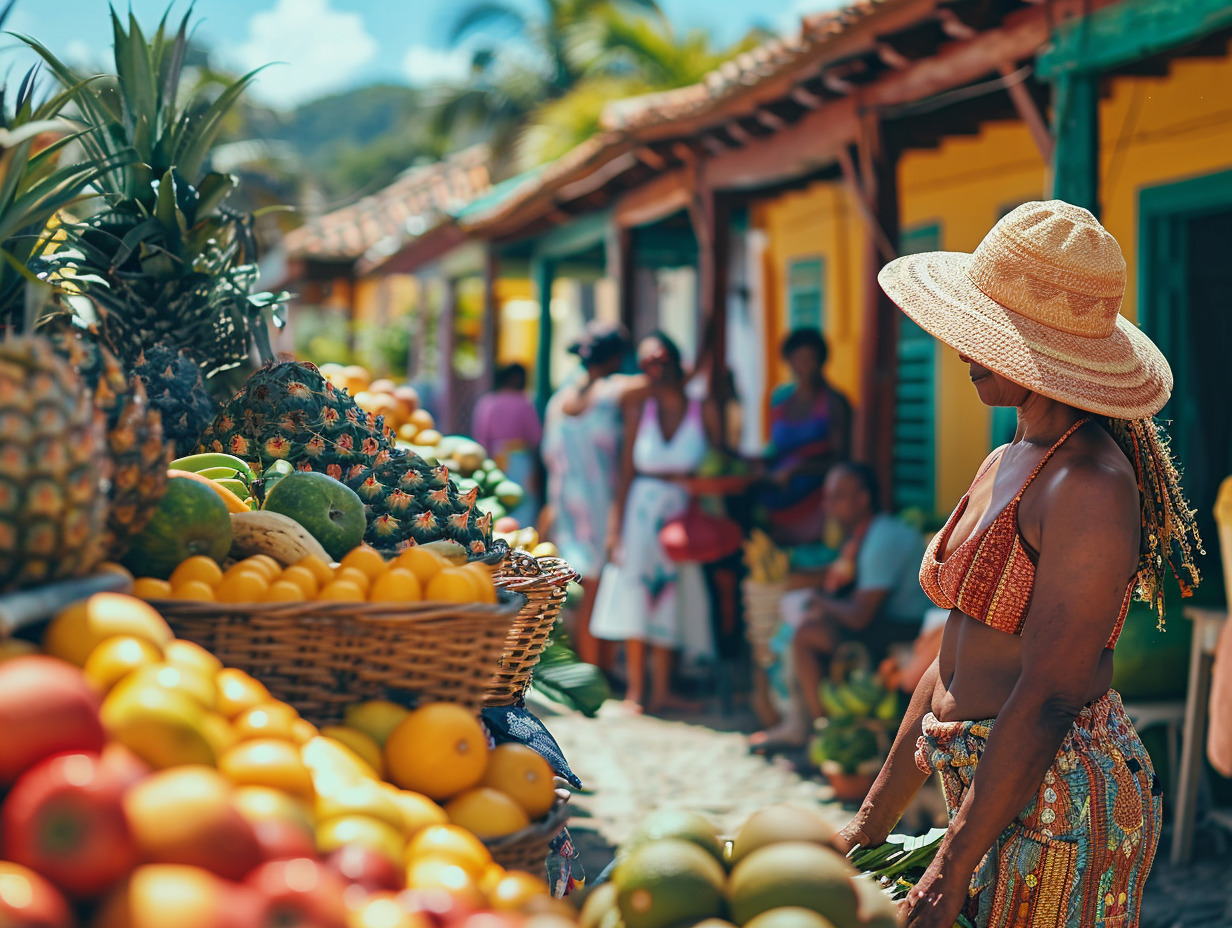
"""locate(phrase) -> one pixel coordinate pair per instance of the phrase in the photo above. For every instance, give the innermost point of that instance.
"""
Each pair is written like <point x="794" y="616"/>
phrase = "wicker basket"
<point x="322" y="656"/>
<point x="528" y="849"/>
<point x="544" y="582"/>
<point x="762" y="617"/>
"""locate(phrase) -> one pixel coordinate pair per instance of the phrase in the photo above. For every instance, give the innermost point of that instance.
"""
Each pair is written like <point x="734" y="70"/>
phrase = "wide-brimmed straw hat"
<point x="1039" y="302"/>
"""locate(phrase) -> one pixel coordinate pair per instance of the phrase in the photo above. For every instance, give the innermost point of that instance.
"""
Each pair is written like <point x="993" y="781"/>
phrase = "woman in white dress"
<point x="645" y="598"/>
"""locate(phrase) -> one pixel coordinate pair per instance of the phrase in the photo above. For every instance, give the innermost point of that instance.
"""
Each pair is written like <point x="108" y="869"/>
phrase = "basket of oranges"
<point x="545" y="584"/>
<point x="414" y="629"/>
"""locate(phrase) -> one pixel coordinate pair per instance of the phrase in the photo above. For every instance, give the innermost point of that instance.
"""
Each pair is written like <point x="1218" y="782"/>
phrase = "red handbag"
<point x="697" y="537"/>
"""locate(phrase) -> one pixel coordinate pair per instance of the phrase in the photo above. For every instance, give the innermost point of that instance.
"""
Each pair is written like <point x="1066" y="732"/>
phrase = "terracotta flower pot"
<point x="849" y="787"/>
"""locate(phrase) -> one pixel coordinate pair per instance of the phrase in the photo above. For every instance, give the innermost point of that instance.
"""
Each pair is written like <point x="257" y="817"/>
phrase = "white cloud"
<point x="323" y="49"/>
<point x="424" y="65"/>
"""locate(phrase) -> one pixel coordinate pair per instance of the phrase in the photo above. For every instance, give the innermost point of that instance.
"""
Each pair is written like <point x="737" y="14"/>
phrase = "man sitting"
<point x="870" y="594"/>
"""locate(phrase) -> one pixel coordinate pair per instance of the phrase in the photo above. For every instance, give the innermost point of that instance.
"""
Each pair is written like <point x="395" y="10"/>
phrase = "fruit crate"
<point x="528" y="849"/>
<point x="544" y="582"/>
<point x="322" y="656"/>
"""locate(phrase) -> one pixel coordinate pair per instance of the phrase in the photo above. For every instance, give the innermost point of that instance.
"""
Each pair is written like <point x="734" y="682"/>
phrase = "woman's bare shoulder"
<point x="1092" y="477"/>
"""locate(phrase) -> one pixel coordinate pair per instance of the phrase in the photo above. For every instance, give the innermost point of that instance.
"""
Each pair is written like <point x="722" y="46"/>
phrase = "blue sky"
<point x="336" y="44"/>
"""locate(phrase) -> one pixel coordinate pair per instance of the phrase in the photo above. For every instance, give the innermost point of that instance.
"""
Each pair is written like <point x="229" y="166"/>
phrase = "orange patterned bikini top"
<point x="991" y="576"/>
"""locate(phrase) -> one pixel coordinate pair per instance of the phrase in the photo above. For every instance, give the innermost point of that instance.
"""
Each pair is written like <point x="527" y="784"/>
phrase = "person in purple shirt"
<point x="507" y="424"/>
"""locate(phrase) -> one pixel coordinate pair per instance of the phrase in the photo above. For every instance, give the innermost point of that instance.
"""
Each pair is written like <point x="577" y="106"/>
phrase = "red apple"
<point x="124" y="765"/>
<point x="283" y="840"/>
<point x="301" y="893"/>
<point x="438" y="906"/>
<point x="366" y="867"/>
<point x="29" y="901"/>
<point x="65" y="819"/>
<point x="46" y="708"/>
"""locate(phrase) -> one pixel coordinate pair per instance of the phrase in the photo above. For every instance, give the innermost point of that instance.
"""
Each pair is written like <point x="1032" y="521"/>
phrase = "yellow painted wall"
<point x="1156" y="130"/>
<point x="965" y="186"/>
<point x="822" y="220"/>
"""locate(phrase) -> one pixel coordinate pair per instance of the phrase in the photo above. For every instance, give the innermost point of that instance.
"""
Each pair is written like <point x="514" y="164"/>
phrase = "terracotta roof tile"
<point x="414" y="203"/>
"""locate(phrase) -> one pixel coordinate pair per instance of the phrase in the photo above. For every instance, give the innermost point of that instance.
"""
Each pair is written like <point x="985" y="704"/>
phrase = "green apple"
<point x="332" y="512"/>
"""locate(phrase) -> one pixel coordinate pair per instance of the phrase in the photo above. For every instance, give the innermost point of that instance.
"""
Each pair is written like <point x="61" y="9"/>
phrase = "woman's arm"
<point x="900" y="779"/>
<point x="1088" y="546"/>
<point x="631" y="415"/>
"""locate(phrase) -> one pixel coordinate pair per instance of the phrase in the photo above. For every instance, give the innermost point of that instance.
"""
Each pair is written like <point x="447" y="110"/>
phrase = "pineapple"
<point x="139" y="456"/>
<point x="53" y="464"/>
<point x="289" y="411"/>
<point x="176" y="389"/>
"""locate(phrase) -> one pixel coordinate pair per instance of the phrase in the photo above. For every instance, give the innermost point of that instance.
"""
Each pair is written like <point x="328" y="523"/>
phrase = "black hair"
<point x="867" y="478"/>
<point x="669" y="346"/>
<point x="601" y="344"/>
<point x="806" y="338"/>
<point x="510" y="376"/>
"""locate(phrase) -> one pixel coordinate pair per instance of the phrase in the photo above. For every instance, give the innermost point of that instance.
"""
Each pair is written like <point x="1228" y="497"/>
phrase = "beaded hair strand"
<point x="1169" y="531"/>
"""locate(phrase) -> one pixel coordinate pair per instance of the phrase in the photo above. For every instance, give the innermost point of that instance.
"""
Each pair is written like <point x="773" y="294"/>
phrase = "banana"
<point x="238" y="487"/>
<point x="199" y="462"/>
<point x="272" y="533"/>
<point x="224" y="473"/>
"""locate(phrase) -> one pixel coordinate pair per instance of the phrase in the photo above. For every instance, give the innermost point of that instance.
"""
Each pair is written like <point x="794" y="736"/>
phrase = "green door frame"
<point x="917" y="349"/>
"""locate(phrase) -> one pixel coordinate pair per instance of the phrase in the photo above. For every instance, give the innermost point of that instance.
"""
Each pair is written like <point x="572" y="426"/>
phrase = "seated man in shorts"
<point x="871" y="595"/>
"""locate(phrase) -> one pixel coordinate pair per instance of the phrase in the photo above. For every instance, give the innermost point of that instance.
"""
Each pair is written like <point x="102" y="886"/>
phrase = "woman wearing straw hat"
<point x="1054" y="806"/>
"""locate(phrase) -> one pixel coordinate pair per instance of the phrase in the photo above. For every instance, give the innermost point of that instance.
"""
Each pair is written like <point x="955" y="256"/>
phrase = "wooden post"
<point x="1075" y="164"/>
<point x="446" y="325"/>
<point x="490" y="339"/>
<point x="710" y="216"/>
<point x="620" y="268"/>
<point x="543" y="272"/>
<point x="874" y="425"/>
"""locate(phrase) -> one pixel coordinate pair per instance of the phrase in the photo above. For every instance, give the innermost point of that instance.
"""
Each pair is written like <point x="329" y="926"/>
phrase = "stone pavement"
<point x="632" y="765"/>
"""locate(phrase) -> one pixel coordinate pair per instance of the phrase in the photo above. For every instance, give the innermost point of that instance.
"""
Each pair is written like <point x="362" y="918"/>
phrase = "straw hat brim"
<point x="1123" y="375"/>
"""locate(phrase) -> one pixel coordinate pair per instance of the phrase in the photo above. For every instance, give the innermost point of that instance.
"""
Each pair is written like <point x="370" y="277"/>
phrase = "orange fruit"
<point x="353" y="575"/>
<point x="366" y="559"/>
<point x="198" y="567"/>
<point x="114" y="658"/>
<point x="267" y="762"/>
<point x="395" y="586"/>
<point x="271" y="566"/>
<point x="187" y="680"/>
<point x="439" y="750"/>
<point x="422" y="420"/>
<point x="484" y="587"/>
<point x="318" y="568"/>
<point x="193" y="590"/>
<point x="384" y="910"/>
<point x="267" y="720"/>
<point x="241" y="587"/>
<point x="338" y="796"/>
<point x="432" y="874"/>
<point x="452" y="585"/>
<point x="151" y="588"/>
<point x="283" y="591"/>
<point x="487" y="813"/>
<point x="342" y="591"/>
<point x="491" y="877"/>
<point x="238" y="692"/>
<point x="515" y="890"/>
<point x="375" y="717"/>
<point x="424" y="564"/>
<point x="360" y="829"/>
<point x="184" y="653"/>
<point x="303" y="731"/>
<point x="521" y="773"/>
<point x="303" y="577"/>
<point x="450" y="843"/>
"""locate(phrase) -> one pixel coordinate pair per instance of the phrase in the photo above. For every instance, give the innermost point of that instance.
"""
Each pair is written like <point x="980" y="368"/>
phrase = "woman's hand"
<point x="938" y="898"/>
<point x="851" y="835"/>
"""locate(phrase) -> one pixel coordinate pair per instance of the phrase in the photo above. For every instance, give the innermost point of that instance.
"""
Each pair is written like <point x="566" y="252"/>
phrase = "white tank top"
<point x="652" y="454"/>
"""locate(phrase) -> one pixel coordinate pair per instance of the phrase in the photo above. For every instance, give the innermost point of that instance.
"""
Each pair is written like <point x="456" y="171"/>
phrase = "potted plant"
<point x="854" y="738"/>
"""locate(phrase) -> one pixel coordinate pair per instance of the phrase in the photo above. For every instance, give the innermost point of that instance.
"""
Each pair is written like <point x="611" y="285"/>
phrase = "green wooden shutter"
<point x="806" y="294"/>
<point x="915" y="398"/>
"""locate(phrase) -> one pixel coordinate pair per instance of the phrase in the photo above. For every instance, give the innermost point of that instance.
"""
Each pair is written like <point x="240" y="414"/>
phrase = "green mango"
<point x="509" y="493"/>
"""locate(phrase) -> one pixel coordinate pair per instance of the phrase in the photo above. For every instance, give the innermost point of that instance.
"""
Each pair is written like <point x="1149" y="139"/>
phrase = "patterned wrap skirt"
<point x="1079" y="853"/>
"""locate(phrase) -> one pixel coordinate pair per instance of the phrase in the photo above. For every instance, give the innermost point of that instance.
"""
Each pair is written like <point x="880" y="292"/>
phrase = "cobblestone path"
<point x="632" y="765"/>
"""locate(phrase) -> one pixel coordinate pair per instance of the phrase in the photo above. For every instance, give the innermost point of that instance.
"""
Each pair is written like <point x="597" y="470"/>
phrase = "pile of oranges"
<point x="416" y="575"/>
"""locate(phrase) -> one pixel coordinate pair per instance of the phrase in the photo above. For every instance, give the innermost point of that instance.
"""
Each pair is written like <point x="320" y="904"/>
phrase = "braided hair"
<point x="1169" y="530"/>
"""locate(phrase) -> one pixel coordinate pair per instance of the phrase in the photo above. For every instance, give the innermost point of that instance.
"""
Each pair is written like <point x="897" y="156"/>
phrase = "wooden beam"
<point x="621" y="269"/>
<point x="1129" y="31"/>
<point x="599" y="178"/>
<point x="685" y="153"/>
<point x="836" y="84"/>
<point x="1028" y="112"/>
<point x="651" y="158"/>
<point x="737" y="132"/>
<point x="446" y="332"/>
<point x="652" y="201"/>
<point x="490" y="339"/>
<point x="806" y="98"/>
<point x="892" y="57"/>
<point x="713" y="144"/>
<point x="953" y="25"/>
<point x="770" y="120"/>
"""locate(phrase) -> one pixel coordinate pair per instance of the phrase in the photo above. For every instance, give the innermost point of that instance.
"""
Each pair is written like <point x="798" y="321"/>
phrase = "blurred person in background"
<point x="507" y="424"/>
<point x="582" y="439"/>
<point x="646" y="599"/>
<point x="810" y="430"/>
